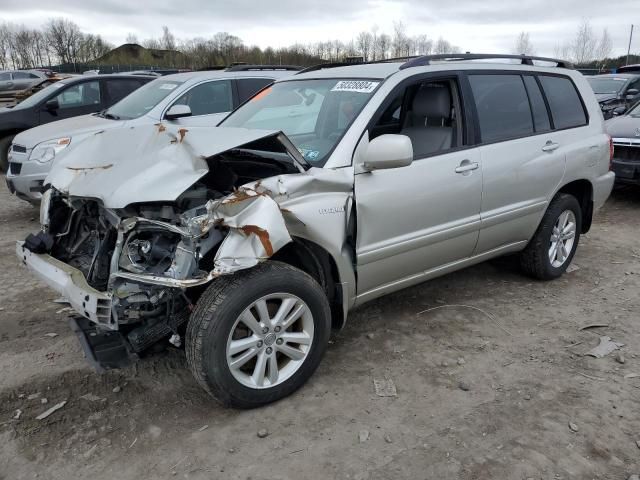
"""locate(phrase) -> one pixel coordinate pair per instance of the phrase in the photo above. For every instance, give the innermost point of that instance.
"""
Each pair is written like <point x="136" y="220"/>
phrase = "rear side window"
<point x="566" y="108"/>
<point x="538" y="108"/>
<point x="502" y="105"/>
<point x="248" y="87"/>
<point x="117" y="89"/>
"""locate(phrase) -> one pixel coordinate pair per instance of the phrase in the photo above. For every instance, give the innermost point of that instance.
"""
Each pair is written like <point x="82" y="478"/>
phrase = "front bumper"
<point x="71" y="284"/>
<point x="27" y="184"/>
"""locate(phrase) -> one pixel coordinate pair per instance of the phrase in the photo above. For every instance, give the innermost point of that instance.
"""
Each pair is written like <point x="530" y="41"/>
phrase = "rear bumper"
<point x="71" y="284"/>
<point x="602" y="189"/>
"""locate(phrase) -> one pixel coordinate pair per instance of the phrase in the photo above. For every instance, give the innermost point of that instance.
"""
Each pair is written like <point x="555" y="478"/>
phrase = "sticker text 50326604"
<point x="358" y="86"/>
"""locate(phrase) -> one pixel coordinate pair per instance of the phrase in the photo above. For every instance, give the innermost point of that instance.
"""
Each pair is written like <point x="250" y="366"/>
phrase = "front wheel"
<point x="554" y="244"/>
<point x="256" y="336"/>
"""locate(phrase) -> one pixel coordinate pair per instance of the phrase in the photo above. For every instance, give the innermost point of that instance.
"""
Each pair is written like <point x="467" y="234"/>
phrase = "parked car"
<point x="615" y="92"/>
<point x="185" y="99"/>
<point x="63" y="99"/>
<point x="625" y="131"/>
<point x="258" y="237"/>
<point x="15" y="80"/>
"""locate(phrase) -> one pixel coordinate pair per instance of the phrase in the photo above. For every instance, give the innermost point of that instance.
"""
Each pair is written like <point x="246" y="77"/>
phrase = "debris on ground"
<point x="604" y="348"/>
<point x="632" y="375"/>
<point x="91" y="397"/>
<point x="385" y="387"/>
<point x="620" y="357"/>
<point x="388" y="439"/>
<point x="33" y="396"/>
<point x="370" y="336"/>
<point x="56" y="407"/>
<point x="572" y="268"/>
<point x="263" y="433"/>
<point x="461" y="361"/>
<point x="203" y="428"/>
<point x="573" y="427"/>
<point x="43" y="400"/>
<point x="134" y="442"/>
<point x="116" y="389"/>
<point x="65" y="310"/>
<point x="471" y="307"/>
<point x="464" y="386"/>
<point x="593" y="325"/>
<point x="363" y="436"/>
<point x="51" y="335"/>
<point x="17" y="415"/>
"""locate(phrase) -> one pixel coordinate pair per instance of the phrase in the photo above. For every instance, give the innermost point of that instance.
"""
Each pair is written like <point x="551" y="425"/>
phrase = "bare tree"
<point x="400" y="39"/>
<point x="131" y="38"/>
<point x="374" y="41"/>
<point x="603" y="50"/>
<point x="523" y="45"/>
<point x="443" y="46"/>
<point x="364" y="42"/>
<point x="422" y="45"/>
<point x="584" y="44"/>
<point x="63" y="37"/>
<point x="383" y="46"/>
<point x="168" y="41"/>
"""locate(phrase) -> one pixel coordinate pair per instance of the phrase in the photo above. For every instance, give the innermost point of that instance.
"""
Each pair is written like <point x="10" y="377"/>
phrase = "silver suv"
<point x="330" y="188"/>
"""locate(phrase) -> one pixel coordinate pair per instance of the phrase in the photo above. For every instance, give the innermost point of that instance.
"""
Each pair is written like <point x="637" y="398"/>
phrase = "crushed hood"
<point x="147" y="163"/>
<point x="69" y="127"/>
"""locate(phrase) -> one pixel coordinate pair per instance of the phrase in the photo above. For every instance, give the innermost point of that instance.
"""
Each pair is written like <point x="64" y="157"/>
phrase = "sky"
<point x="477" y="26"/>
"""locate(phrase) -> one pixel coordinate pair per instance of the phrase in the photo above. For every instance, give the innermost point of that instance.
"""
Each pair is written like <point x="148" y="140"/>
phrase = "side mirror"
<point x="388" y="151"/>
<point x="178" y="111"/>
<point x="618" y="111"/>
<point x="631" y="93"/>
<point x="52" y="104"/>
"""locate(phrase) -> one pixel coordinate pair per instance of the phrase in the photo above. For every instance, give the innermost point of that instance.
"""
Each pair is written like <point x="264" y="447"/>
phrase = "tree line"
<point x="60" y="41"/>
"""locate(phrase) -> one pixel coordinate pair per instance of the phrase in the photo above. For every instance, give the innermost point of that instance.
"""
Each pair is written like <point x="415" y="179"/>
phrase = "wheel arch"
<point x="316" y="261"/>
<point x="582" y="190"/>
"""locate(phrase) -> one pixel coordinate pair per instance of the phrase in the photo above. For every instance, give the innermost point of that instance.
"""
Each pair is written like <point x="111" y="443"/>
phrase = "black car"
<point x="615" y="92"/>
<point x="625" y="132"/>
<point x="67" y="98"/>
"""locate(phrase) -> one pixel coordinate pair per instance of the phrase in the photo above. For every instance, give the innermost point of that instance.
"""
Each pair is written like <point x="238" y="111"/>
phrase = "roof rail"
<point x="246" y="68"/>
<point x="322" y="66"/>
<point x="524" y="59"/>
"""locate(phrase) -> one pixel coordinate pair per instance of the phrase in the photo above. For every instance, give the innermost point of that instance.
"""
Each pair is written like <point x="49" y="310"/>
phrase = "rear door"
<point x="209" y="103"/>
<point x="23" y="80"/>
<point x="78" y="98"/>
<point x="6" y="83"/>
<point x="522" y="156"/>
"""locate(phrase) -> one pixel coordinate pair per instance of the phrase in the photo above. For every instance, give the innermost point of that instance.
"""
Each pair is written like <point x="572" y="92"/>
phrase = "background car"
<point x="625" y="132"/>
<point x="185" y="99"/>
<point x="67" y="98"/>
<point x="615" y="92"/>
<point x="16" y="80"/>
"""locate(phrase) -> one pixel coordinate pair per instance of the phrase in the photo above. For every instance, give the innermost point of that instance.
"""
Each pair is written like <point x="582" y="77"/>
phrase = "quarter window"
<point x="538" y="108"/>
<point x="566" y="108"/>
<point x="502" y="105"/>
<point x="248" y="87"/>
<point x="208" y="98"/>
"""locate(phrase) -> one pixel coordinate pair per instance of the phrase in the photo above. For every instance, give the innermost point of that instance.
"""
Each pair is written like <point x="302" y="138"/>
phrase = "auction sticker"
<point x="167" y="86"/>
<point x="358" y="86"/>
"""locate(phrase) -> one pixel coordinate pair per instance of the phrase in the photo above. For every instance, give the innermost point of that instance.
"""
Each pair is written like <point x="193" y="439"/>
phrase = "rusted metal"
<point x="262" y="234"/>
<point x="81" y="169"/>
<point x="182" y="132"/>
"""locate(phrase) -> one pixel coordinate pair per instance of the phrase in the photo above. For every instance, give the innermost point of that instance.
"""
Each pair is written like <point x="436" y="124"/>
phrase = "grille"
<point x="15" y="168"/>
<point x="626" y="153"/>
<point x="19" y="148"/>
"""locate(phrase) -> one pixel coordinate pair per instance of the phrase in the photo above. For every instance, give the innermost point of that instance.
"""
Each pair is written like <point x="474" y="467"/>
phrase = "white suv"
<point x="326" y="190"/>
<point x="184" y="99"/>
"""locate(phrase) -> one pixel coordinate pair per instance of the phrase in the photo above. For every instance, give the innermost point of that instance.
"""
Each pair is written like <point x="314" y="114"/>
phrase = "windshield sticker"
<point x="357" y="86"/>
<point x="309" y="154"/>
<point x="167" y="86"/>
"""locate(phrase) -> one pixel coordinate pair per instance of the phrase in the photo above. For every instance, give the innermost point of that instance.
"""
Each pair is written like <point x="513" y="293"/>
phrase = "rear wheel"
<point x="5" y="143"/>
<point x="256" y="336"/>
<point x="554" y="244"/>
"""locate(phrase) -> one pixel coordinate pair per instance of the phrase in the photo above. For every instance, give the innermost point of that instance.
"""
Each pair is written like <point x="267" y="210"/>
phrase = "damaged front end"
<point x="133" y="270"/>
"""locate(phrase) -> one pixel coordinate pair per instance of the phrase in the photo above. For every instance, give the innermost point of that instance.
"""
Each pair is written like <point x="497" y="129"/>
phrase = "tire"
<point x="536" y="260"/>
<point x="5" y="143"/>
<point x="219" y="316"/>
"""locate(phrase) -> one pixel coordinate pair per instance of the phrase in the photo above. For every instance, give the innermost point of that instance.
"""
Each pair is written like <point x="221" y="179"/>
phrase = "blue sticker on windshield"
<point x="308" y="154"/>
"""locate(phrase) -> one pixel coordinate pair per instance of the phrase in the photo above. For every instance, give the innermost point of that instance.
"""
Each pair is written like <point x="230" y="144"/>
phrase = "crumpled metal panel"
<point x="145" y="163"/>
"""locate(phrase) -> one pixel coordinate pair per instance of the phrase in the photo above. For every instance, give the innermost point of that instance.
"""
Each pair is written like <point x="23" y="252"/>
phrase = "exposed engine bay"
<point x="147" y="255"/>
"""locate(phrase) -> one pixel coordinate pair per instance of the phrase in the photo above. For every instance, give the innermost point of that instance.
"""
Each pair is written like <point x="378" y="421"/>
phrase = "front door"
<point x="413" y="219"/>
<point x="74" y="100"/>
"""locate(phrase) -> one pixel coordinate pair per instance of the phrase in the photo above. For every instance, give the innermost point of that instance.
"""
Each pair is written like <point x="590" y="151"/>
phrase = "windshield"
<point x="607" y="85"/>
<point x="314" y="114"/>
<point x="142" y="100"/>
<point x="37" y="97"/>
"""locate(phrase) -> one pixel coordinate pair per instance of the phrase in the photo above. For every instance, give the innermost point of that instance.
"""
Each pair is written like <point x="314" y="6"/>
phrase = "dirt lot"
<point x="478" y="397"/>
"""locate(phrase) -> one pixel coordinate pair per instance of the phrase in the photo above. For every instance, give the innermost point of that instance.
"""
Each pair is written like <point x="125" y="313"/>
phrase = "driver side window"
<point x="80" y="95"/>
<point x="428" y="113"/>
<point x="208" y="98"/>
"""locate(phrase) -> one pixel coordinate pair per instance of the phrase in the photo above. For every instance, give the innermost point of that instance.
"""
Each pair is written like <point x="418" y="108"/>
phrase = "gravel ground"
<point x="499" y="391"/>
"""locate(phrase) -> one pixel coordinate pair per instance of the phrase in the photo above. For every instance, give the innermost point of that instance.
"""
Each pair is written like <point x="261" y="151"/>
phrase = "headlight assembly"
<point x="46" y="151"/>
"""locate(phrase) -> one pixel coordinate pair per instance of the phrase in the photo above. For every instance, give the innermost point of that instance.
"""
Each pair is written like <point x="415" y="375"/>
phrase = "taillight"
<point x="610" y="152"/>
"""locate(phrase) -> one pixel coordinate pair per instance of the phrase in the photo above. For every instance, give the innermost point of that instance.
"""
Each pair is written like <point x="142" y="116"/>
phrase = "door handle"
<point x="550" y="146"/>
<point x="467" y="166"/>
